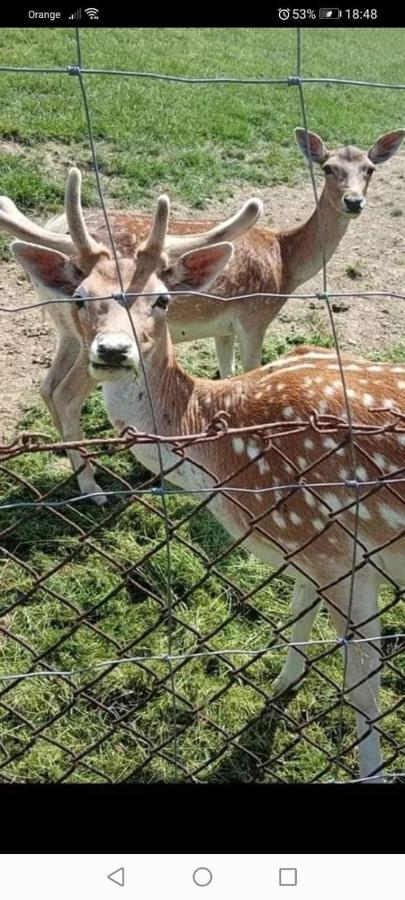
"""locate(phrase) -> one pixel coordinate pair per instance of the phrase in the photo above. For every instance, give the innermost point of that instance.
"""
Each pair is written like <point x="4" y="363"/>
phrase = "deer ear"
<point x="47" y="267"/>
<point x="198" y="269"/>
<point x="386" y="146"/>
<point x="311" y="145"/>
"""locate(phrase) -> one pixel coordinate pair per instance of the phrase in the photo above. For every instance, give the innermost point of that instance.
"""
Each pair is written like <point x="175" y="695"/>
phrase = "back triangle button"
<point x="118" y="877"/>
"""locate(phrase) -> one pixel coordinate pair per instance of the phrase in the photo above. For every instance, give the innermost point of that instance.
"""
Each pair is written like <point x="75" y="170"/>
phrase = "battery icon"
<point x="331" y="12"/>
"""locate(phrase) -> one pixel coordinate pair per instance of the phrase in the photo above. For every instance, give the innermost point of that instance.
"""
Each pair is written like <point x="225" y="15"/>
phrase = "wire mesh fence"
<point x="143" y="643"/>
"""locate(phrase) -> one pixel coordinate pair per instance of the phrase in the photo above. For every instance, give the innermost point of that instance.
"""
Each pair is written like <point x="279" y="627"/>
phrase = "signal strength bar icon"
<point x="76" y="15"/>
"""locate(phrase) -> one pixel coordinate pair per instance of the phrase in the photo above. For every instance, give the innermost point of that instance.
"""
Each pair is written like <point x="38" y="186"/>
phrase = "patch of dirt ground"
<point x="371" y="256"/>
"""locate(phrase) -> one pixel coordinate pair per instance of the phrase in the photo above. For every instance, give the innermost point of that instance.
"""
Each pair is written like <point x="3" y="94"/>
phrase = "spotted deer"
<point x="265" y="260"/>
<point x="283" y="424"/>
<point x="275" y="261"/>
<point x="68" y="382"/>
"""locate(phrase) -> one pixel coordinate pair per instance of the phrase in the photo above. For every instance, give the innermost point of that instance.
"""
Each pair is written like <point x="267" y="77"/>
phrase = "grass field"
<point x="105" y="600"/>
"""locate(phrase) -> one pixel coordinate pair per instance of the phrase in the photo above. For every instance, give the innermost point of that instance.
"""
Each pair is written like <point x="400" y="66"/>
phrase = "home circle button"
<point x="202" y="877"/>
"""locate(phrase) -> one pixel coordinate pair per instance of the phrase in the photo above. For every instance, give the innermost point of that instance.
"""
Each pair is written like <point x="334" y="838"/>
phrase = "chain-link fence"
<point x="143" y="643"/>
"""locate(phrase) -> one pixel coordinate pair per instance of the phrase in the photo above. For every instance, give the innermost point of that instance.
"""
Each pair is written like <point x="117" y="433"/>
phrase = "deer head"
<point x="348" y="170"/>
<point x="112" y="325"/>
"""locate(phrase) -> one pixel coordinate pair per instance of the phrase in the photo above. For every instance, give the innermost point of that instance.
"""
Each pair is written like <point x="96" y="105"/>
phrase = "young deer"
<point x="299" y="434"/>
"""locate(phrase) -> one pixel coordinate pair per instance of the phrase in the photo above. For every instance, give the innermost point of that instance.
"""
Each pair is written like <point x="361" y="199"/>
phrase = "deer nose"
<point x="353" y="204"/>
<point x="113" y="351"/>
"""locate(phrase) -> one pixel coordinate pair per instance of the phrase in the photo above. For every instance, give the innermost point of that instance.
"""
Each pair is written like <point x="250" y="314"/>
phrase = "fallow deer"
<point x="265" y="261"/>
<point x="286" y="424"/>
<point x="68" y="383"/>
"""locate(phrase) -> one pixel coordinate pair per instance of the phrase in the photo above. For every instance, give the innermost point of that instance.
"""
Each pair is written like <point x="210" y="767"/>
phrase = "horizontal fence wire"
<point x="169" y="717"/>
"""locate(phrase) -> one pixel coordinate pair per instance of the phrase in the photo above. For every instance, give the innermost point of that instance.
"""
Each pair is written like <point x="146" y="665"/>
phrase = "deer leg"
<point x="251" y="346"/>
<point x="225" y="345"/>
<point x="66" y="355"/>
<point x="68" y="399"/>
<point x="304" y="598"/>
<point x="362" y="683"/>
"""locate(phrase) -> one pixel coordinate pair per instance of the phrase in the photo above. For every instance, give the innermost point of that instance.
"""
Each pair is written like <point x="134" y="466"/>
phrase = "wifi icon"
<point x="92" y="13"/>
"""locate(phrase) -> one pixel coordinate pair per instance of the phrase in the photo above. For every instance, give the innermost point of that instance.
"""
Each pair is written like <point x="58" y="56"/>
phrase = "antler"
<point x="85" y="245"/>
<point x="229" y="230"/>
<point x="78" y="242"/>
<point x="150" y="254"/>
<point x="14" y="222"/>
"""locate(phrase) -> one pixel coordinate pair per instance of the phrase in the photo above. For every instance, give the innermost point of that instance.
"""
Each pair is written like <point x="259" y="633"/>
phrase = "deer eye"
<point x="79" y="301"/>
<point x="162" y="301"/>
<point x="370" y="170"/>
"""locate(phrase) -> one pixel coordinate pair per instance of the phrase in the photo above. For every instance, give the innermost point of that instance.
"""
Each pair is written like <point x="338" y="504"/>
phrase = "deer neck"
<point x="182" y="404"/>
<point x="303" y="248"/>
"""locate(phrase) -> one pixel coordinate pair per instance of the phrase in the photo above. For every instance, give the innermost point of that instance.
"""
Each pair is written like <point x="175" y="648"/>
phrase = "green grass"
<point x="102" y="598"/>
<point x="106" y="597"/>
<point x="195" y="142"/>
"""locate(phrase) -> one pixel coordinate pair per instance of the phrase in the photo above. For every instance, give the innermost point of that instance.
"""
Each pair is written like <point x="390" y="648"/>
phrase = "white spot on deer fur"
<point x="295" y="519"/>
<point x="391" y="516"/>
<point x="301" y="366"/>
<point x="332" y="500"/>
<point x="364" y="513"/>
<point x="341" y="451"/>
<point x="353" y="367"/>
<point x="318" y="379"/>
<point x="302" y="462"/>
<point x="380" y="461"/>
<point x="401" y="439"/>
<point x="322" y="407"/>
<point x="288" y="469"/>
<point x="329" y="443"/>
<point x="379" y="369"/>
<point x="309" y="444"/>
<point x="260" y="394"/>
<point x="333" y="367"/>
<point x="252" y="449"/>
<point x="284" y="362"/>
<point x="238" y="445"/>
<point x="291" y="545"/>
<point x="310" y="499"/>
<point x="259" y="497"/>
<point x="263" y="466"/>
<point x="280" y="386"/>
<point x="361" y="473"/>
<point x="351" y="393"/>
<point x="368" y="399"/>
<point x="227" y="402"/>
<point x="401" y="385"/>
<point x="278" y="519"/>
<point x="307" y="381"/>
<point x="344" y="474"/>
<point x="318" y="524"/>
<point x="388" y="403"/>
<point x="288" y="412"/>
<point x="329" y="390"/>
<point x="397" y="369"/>
<point x="363" y="380"/>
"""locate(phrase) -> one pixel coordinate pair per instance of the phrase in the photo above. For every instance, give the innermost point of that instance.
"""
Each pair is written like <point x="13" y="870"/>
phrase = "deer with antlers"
<point x="286" y="423"/>
<point x="275" y="262"/>
<point x="68" y="382"/>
